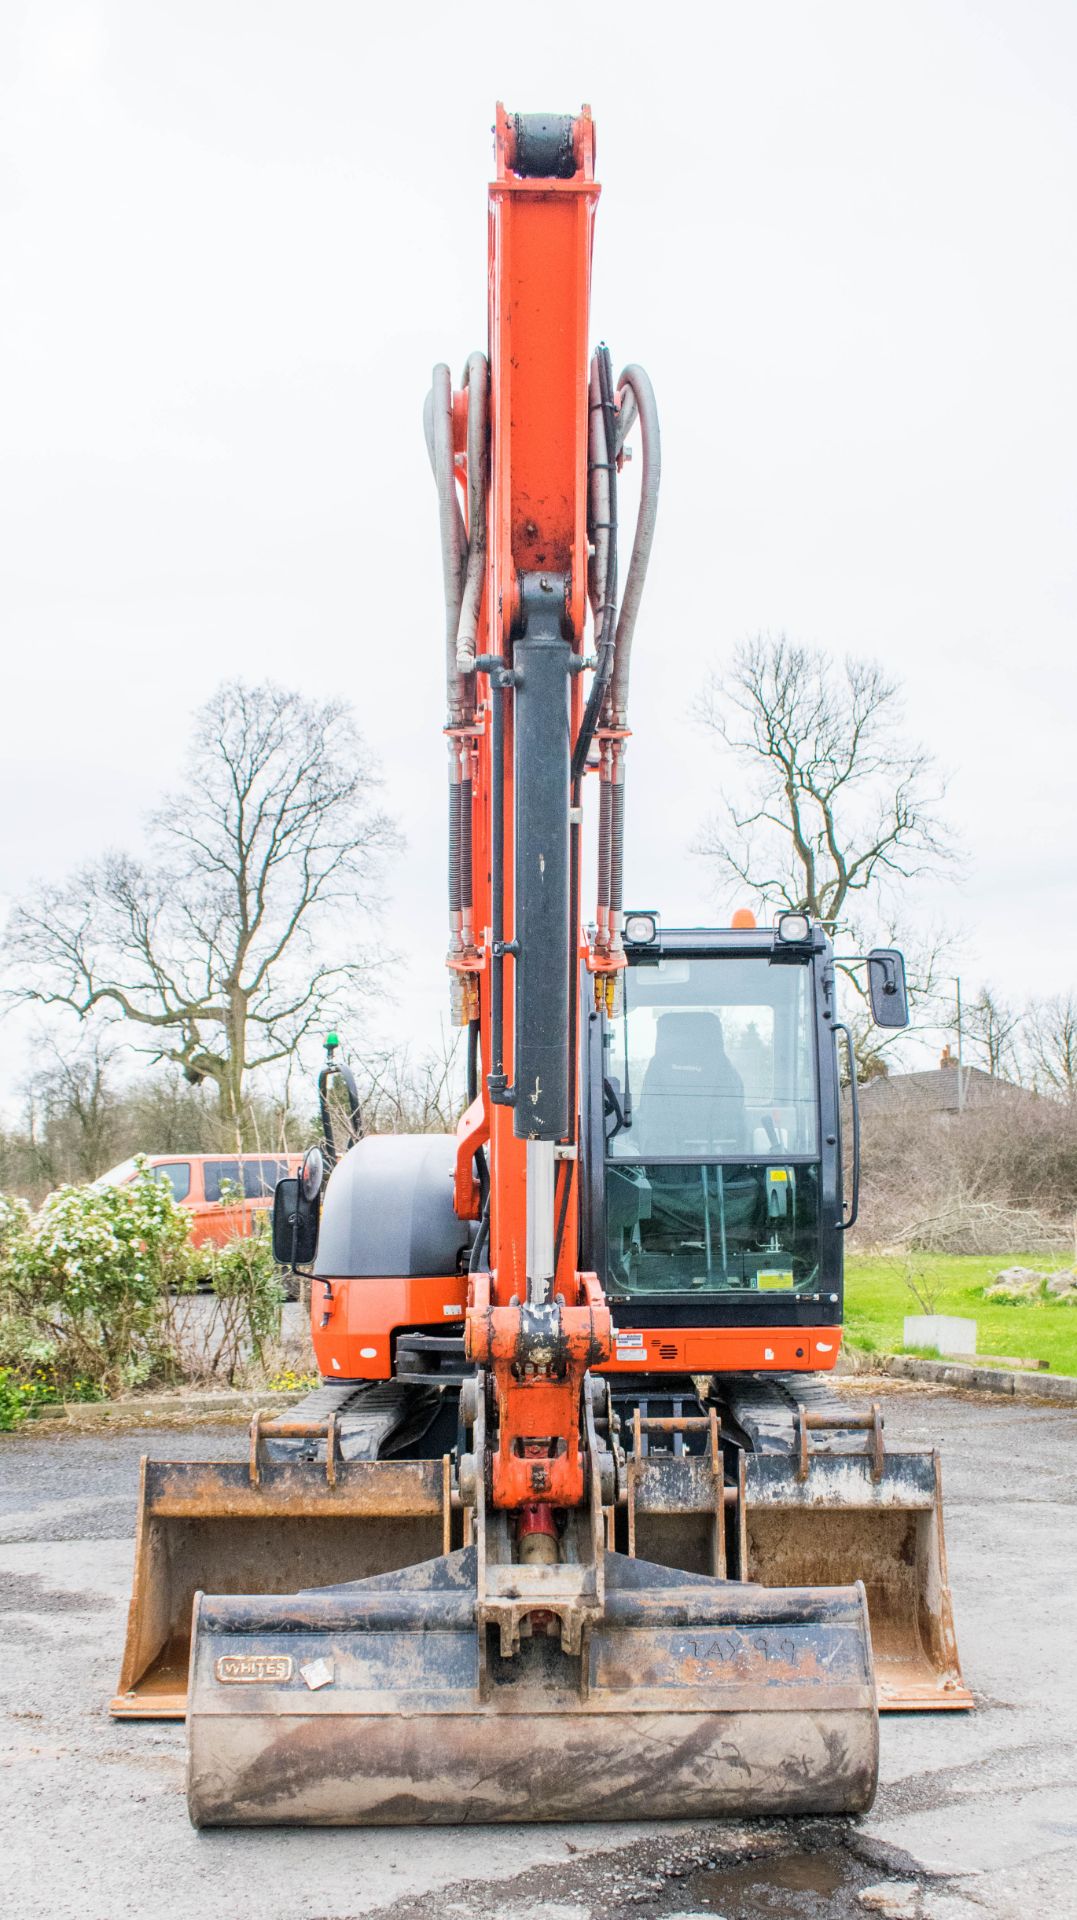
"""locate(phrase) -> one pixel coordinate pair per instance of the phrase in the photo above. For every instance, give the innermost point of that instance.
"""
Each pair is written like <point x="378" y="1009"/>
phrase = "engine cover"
<point x="388" y="1209"/>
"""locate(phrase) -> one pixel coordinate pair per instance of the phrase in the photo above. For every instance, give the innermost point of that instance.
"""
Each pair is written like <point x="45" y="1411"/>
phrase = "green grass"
<point x="877" y="1300"/>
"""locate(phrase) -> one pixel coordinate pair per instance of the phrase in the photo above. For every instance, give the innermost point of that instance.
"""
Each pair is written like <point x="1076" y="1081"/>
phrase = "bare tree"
<point x="220" y="945"/>
<point x="79" y="1118"/>
<point x="842" y="805"/>
<point x="990" y="1026"/>
<point x="400" y="1092"/>
<point x="1050" y="1036"/>
<point x="71" y="1125"/>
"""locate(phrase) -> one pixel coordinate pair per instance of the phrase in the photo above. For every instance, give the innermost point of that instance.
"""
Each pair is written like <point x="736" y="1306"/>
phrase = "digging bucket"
<point x="389" y="1701"/>
<point x="827" y="1516"/>
<point x="235" y="1527"/>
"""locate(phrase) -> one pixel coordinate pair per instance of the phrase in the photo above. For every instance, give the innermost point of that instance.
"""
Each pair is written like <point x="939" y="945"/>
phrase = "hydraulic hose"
<point x="637" y="399"/>
<point x="476" y="380"/>
<point x="635" y="383"/>
<point x="481" y="1240"/>
<point x="437" y="422"/>
<point x="605" y="613"/>
<point x="463" y="562"/>
<point x="617" y="835"/>
<point x="467" y="931"/>
<point x="472" y="1061"/>
<point x="602" y="913"/>
<point x="454" y="837"/>
<point x="496" y="1080"/>
<point x="599" y="470"/>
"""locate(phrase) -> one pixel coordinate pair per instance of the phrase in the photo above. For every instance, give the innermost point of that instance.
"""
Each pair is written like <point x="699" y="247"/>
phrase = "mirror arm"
<point x="355" y="1117"/>
<point x="293" y="1263"/>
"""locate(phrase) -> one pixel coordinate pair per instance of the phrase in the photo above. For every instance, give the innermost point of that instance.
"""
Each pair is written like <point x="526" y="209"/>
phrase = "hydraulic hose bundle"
<point x="612" y="414"/>
<point x="613" y="411"/>
<point x="463" y="560"/>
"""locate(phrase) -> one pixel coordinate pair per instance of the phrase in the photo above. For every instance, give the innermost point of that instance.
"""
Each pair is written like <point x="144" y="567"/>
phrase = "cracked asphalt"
<point x="976" y="1814"/>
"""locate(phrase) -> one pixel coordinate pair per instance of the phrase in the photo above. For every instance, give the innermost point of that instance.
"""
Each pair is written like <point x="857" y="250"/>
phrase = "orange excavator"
<point x="570" y="1530"/>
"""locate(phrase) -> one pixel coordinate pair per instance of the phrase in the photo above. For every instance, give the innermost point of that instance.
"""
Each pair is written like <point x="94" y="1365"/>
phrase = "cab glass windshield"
<point x="711" y="1127"/>
<point x="711" y="1058"/>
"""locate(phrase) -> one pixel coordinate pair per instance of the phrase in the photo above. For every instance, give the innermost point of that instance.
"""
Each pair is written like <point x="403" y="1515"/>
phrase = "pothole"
<point x="765" y="1870"/>
<point x="825" y="1884"/>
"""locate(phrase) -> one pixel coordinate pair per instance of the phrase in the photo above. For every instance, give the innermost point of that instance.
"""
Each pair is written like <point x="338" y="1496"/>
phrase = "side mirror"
<point x="886" y="986"/>
<point x="297" y="1206"/>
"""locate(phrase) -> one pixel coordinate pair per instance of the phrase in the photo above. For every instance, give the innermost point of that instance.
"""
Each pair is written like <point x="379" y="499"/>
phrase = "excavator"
<point x="571" y="1529"/>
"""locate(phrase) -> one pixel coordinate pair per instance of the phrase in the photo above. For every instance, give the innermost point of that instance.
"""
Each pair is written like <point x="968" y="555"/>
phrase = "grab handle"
<point x="854" y="1203"/>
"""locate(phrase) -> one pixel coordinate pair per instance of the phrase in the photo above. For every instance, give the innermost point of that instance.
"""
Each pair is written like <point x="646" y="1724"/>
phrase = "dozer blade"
<point x="384" y="1701"/>
<point x="828" y="1518"/>
<point x="262" y="1527"/>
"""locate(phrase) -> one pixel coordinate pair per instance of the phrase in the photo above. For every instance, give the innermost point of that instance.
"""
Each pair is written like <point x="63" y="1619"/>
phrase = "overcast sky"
<point x="234" y="237"/>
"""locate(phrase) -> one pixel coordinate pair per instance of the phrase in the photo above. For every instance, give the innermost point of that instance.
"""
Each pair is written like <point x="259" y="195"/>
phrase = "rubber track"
<point x="765" y="1406"/>
<point x="368" y="1414"/>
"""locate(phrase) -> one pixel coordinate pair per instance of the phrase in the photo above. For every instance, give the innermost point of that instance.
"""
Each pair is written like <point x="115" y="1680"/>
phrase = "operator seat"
<point x="691" y="1099"/>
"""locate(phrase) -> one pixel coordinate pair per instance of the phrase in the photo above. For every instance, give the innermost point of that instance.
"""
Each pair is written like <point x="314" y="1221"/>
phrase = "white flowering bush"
<point x="83" y="1280"/>
<point x="101" y="1291"/>
<point x="14" y="1221"/>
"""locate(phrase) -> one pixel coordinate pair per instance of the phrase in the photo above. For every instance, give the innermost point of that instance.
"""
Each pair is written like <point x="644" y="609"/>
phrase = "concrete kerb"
<point x="947" y="1373"/>
<point x="229" y="1406"/>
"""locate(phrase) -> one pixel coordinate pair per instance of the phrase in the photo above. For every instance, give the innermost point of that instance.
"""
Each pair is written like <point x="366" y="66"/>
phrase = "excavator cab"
<point x="719" y="1197"/>
<point x="717" y="1131"/>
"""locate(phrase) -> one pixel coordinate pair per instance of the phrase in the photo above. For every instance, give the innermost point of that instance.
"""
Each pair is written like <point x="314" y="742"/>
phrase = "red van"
<point x="197" y="1180"/>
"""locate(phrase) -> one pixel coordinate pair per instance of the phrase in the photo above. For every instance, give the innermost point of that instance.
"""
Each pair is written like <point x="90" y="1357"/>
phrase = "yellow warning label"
<point x="776" y="1280"/>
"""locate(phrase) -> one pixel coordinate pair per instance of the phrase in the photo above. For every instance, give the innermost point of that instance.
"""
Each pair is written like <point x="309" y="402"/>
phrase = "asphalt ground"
<point x="976" y="1814"/>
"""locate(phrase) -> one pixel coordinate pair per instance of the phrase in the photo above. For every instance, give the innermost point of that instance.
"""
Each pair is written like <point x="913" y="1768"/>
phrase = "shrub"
<point x="102" y="1291"/>
<point x="22" y="1395"/>
<point x="291" y="1380"/>
<point x="924" y="1282"/>
<point x="243" y="1278"/>
<point x="17" y="1399"/>
<point x="1001" y="1175"/>
<point x="82" y="1284"/>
